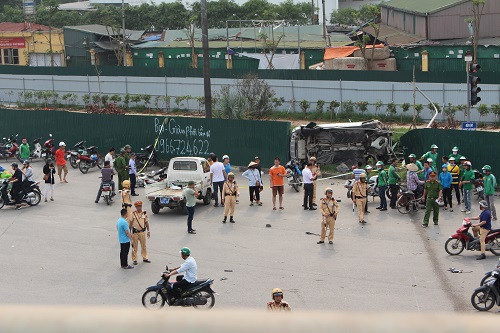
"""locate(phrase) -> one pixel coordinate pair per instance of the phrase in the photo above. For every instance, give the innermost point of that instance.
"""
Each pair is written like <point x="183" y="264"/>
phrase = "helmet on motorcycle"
<point x="62" y="144"/>
<point x="276" y="292"/>
<point x="186" y="251"/>
<point x="126" y="184"/>
<point x="487" y="167"/>
<point x="434" y="147"/>
<point x="483" y="204"/>
<point x="412" y="156"/>
<point x="379" y="163"/>
<point x="328" y="189"/>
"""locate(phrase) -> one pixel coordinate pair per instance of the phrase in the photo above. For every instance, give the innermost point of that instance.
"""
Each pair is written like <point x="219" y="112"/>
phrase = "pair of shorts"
<point x="278" y="189"/>
<point x="60" y="168"/>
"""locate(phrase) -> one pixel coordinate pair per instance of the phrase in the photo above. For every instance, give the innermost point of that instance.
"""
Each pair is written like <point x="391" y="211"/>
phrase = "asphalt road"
<point x="67" y="252"/>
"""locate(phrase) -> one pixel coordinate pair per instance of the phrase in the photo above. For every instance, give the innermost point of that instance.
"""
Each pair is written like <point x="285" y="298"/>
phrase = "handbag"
<point x="46" y="177"/>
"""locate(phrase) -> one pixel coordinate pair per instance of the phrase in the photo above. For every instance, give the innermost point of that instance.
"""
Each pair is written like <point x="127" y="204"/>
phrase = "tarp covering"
<point x="280" y="61"/>
<point x="344" y="51"/>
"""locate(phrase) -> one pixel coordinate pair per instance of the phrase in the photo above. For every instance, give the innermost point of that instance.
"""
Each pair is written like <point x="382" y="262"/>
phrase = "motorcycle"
<point x="49" y="149"/>
<point x="106" y="193"/>
<point x="488" y="294"/>
<point x="30" y="193"/>
<point x="372" y="187"/>
<point x="293" y="175"/>
<point x="488" y="274"/>
<point x="144" y="179"/>
<point x="409" y="201"/>
<point x="10" y="148"/>
<point x="478" y="185"/>
<point x="142" y="158"/>
<point x="90" y="160"/>
<point x="199" y="296"/>
<point x="75" y="153"/>
<point x="463" y="239"/>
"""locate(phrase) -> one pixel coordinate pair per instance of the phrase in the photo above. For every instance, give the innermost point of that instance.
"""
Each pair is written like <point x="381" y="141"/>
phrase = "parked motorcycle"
<point x="9" y="148"/>
<point x="294" y="175"/>
<point x="90" y="160"/>
<point x="142" y="158"/>
<point x="488" y="294"/>
<point x="144" y="179"/>
<point x="75" y="153"/>
<point x="463" y="239"/>
<point x="372" y="187"/>
<point x="30" y="193"/>
<point x="199" y="296"/>
<point x="49" y="149"/>
<point x="106" y="193"/>
<point x="35" y="153"/>
<point x="488" y="274"/>
<point x="478" y="185"/>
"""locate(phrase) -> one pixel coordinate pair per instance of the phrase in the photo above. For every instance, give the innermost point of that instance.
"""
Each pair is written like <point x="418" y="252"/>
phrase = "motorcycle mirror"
<point x="166" y="268"/>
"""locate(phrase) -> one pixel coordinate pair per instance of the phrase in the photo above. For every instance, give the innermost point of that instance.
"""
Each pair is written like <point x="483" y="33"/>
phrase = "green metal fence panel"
<point x="377" y="76"/>
<point x="242" y="140"/>
<point x="480" y="147"/>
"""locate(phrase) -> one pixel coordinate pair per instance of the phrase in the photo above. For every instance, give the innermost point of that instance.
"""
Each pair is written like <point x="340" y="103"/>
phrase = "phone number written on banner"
<point x="183" y="141"/>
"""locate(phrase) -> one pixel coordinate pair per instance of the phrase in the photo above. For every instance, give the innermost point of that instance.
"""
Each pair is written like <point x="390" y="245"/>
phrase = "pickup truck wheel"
<point x="155" y="208"/>
<point x="208" y="197"/>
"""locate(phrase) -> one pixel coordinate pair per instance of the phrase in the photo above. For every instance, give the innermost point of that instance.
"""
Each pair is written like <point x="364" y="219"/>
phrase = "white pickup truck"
<point x="181" y="170"/>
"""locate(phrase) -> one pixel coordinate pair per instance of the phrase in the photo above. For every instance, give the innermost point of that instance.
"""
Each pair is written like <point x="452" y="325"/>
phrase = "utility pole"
<point x="206" y="60"/>
<point x="312" y="12"/>
<point x="124" y="60"/>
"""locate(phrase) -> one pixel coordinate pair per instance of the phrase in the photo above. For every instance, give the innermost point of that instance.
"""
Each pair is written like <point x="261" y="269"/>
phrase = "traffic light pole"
<point x="468" y="90"/>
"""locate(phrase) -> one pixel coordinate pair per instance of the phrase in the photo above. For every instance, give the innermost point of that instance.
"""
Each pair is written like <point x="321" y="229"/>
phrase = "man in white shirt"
<point x="308" y="178"/>
<point x="217" y="177"/>
<point x="110" y="157"/>
<point x="189" y="268"/>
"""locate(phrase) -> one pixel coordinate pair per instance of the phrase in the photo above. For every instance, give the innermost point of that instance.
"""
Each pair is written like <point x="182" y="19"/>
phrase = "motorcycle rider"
<point x="189" y="269"/>
<point x="278" y="304"/>
<point x="16" y="181"/>
<point x="329" y="209"/>
<point x="482" y="228"/>
<point x="27" y="170"/>
<point x="106" y="178"/>
<point x="490" y="182"/>
<point x="24" y="150"/>
<point x="420" y="172"/>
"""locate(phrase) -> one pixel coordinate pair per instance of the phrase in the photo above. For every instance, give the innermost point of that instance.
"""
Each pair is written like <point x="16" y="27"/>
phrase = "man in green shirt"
<point x="432" y="190"/>
<point x="454" y="153"/>
<point x="24" y="150"/>
<point x="382" y="185"/>
<point x="392" y="180"/>
<point x="420" y="172"/>
<point x="466" y="181"/>
<point x="121" y="167"/>
<point x="490" y="182"/>
<point x="431" y="154"/>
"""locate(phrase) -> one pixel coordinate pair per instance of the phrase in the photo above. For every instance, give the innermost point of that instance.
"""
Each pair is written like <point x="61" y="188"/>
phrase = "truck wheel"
<point x="208" y="197"/>
<point x="155" y="207"/>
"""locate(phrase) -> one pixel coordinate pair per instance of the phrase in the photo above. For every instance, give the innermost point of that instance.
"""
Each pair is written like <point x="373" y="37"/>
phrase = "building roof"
<point x="393" y="36"/>
<point x="421" y="6"/>
<point x="103" y="30"/>
<point x="19" y="27"/>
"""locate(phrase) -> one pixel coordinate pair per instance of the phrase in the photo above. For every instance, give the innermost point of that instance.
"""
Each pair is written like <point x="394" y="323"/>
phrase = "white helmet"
<point x="224" y="157"/>
<point x="61" y="144"/>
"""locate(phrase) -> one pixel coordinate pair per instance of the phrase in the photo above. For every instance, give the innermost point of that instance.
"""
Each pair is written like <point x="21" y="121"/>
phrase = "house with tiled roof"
<point x="439" y="19"/>
<point x="29" y="44"/>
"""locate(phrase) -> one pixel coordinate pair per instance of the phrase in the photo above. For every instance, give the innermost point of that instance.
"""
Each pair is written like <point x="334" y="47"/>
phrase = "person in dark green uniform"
<point x="382" y="185"/>
<point x="392" y="180"/>
<point x="431" y="154"/>
<point x="121" y="167"/>
<point x="454" y="153"/>
<point x="432" y="190"/>
<point x="24" y="150"/>
<point x="128" y="151"/>
<point x="420" y="172"/>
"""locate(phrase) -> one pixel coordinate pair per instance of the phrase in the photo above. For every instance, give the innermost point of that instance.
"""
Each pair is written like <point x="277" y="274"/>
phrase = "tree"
<point x="475" y="20"/>
<point x="304" y="106"/>
<point x="350" y="16"/>
<point x="483" y="110"/>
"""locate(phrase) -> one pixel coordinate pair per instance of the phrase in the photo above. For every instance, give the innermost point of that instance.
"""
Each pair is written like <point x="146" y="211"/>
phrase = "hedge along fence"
<point x="480" y="147"/>
<point x="242" y="140"/>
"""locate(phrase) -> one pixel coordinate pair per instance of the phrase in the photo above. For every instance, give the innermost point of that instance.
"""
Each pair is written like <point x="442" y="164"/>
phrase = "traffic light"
<point x="473" y="82"/>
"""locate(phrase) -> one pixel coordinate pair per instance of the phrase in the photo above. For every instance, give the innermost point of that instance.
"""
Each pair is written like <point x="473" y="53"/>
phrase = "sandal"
<point x="282" y="208"/>
<point x="260" y="204"/>
<point x="274" y="208"/>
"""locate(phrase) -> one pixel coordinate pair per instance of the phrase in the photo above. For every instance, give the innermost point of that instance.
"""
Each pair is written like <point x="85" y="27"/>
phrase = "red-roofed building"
<point x="29" y="44"/>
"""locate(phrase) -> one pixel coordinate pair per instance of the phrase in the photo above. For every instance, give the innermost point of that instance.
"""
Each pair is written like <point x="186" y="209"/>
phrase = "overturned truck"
<point x="341" y="142"/>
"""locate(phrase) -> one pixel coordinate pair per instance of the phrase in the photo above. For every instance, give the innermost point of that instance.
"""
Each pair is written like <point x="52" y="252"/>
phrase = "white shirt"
<point x="109" y="158"/>
<point x="307" y="176"/>
<point x="357" y="173"/>
<point x="189" y="269"/>
<point x="217" y="169"/>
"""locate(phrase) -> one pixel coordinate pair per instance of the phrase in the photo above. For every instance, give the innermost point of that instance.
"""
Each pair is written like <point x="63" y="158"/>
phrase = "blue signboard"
<point x="469" y="126"/>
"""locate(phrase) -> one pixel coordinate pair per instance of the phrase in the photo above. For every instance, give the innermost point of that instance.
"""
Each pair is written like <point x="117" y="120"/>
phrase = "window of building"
<point x="11" y="56"/>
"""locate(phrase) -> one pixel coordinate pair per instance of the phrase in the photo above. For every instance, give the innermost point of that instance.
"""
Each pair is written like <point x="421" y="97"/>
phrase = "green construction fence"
<point x="242" y="140"/>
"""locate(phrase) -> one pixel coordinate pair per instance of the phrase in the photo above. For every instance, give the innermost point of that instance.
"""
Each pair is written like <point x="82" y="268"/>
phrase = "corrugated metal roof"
<point x="393" y="36"/>
<point x="19" y="27"/>
<point x="421" y="6"/>
<point x="103" y="30"/>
